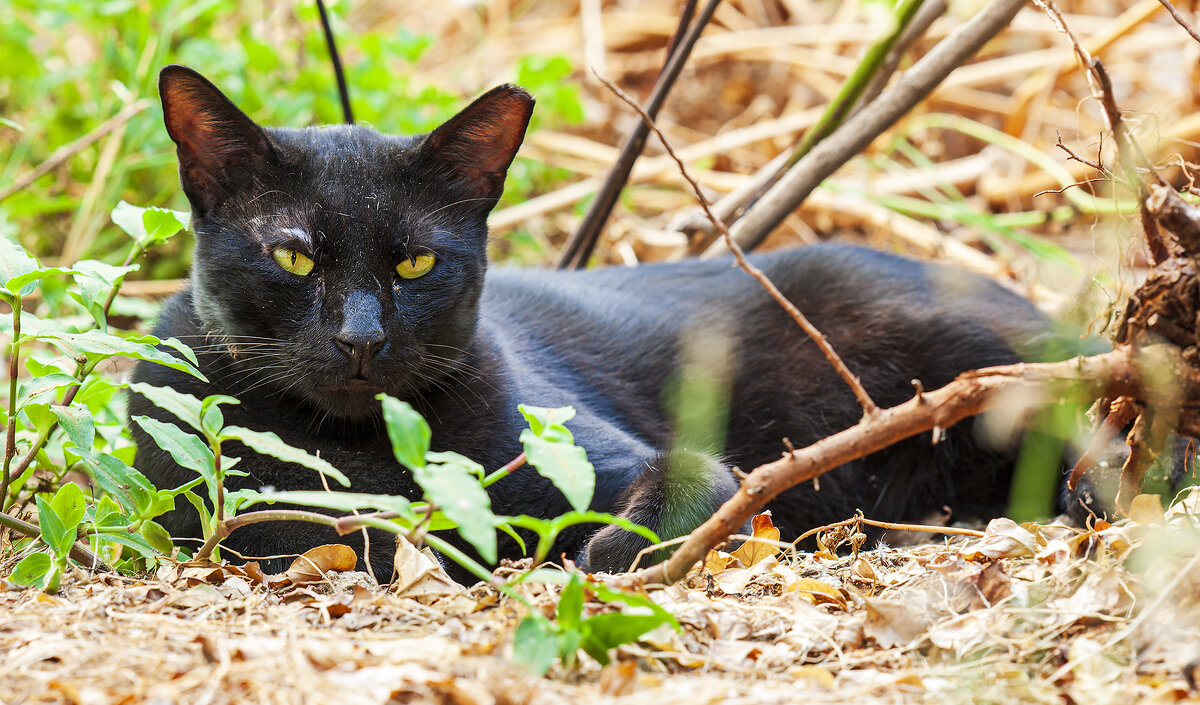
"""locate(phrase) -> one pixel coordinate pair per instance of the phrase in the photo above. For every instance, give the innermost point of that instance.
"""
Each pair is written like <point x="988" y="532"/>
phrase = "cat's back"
<point x="828" y="282"/>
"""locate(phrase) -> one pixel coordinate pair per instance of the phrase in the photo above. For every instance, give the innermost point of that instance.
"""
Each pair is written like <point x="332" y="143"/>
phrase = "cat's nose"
<point x="360" y="346"/>
<point x="361" y="336"/>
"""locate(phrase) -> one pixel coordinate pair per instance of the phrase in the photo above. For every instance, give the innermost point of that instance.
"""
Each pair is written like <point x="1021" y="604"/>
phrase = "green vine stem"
<point x="10" y="444"/>
<point x="855" y="84"/>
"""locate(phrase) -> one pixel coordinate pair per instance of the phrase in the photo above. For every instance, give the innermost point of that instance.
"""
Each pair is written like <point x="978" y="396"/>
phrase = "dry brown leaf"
<point x="419" y="576"/>
<point x="752" y="552"/>
<point x="993" y="584"/>
<point x="312" y="565"/>
<point x="716" y="561"/>
<point x="1147" y="509"/>
<point x="891" y="623"/>
<point x="817" y="591"/>
<point x="1004" y="538"/>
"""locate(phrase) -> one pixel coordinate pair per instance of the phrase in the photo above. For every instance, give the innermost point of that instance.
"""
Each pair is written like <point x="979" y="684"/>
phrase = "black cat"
<point x="336" y="263"/>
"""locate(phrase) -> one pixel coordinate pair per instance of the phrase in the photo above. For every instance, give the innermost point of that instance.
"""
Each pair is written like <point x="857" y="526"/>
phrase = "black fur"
<point x="466" y="348"/>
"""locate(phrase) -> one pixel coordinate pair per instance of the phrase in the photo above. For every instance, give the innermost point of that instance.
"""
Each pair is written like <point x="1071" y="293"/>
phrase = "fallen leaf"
<point x="1147" y="509"/>
<point x="312" y="565"/>
<point x="891" y="623"/>
<point x="817" y="591"/>
<point x="716" y="561"/>
<point x="993" y="585"/>
<point x="419" y="576"/>
<point x="752" y="551"/>
<point x="1004" y="538"/>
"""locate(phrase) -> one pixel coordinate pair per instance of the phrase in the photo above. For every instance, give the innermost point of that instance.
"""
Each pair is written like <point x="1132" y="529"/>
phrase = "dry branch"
<point x="1079" y="379"/>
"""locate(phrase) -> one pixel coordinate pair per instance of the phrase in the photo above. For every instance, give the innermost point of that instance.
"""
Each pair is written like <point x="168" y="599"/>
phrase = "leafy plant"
<point x="538" y="641"/>
<point x="64" y="415"/>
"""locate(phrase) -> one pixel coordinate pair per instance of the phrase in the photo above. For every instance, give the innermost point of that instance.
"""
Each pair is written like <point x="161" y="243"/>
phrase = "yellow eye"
<point x="292" y="261"/>
<point x="416" y="267"/>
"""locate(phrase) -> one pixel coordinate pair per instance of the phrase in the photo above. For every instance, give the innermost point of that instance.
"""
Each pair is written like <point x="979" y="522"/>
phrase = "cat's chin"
<point x="351" y="399"/>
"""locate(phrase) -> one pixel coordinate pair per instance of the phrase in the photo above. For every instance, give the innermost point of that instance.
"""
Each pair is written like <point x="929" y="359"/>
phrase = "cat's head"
<point x="338" y="261"/>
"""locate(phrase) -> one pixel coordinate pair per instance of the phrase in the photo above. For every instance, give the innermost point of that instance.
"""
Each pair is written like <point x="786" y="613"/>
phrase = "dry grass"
<point x="1053" y="616"/>
<point x="1039" y="614"/>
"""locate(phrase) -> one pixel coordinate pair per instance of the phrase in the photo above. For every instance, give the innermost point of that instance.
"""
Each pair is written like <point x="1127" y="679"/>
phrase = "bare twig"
<point x="860" y="393"/>
<point x="67" y="151"/>
<point x="579" y="248"/>
<point x="859" y="131"/>
<point x="1179" y="19"/>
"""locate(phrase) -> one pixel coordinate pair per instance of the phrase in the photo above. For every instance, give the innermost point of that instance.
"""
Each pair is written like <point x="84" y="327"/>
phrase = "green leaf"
<point x="185" y="406"/>
<point x="14" y="262"/>
<point x="158" y="537"/>
<point x="605" y="632"/>
<point x="540" y="417"/>
<point x="95" y="281"/>
<point x="565" y="465"/>
<point x="128" y="486"/>
<point x="186" y="449"/>
<point x="535" y="644"/>
<point x="98" y="345"/>
<point x="76" y="420"/>
<point x="57" y="535"/>
<point x="456" y="490"/>
<point x="161" y="223"/>
<point x="570" y="604"/>
<point x="32" y="569"/>
<point x="342" y="501"/>
<point x="36" y="387"/>
<point x="409" y="433"/>
<point x="19" y="271"/>
<point x="270" y="444"/>
<point x="69" y="504"/>
<point x="212" y="419"/>
<point x="148" y="226"/>
<point x="450" y="457"/>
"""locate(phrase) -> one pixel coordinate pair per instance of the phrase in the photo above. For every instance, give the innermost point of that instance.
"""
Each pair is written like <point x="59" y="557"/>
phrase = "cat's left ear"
<point x="479" y="143"/>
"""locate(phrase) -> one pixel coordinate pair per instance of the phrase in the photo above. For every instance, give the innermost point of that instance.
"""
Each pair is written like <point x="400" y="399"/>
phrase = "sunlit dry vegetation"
<point x="1009" y="168"/>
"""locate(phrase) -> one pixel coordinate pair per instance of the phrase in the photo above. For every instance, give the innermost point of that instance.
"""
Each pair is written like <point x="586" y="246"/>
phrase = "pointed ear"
<point x="219" y="147"/>
<point x="479" y="143"/>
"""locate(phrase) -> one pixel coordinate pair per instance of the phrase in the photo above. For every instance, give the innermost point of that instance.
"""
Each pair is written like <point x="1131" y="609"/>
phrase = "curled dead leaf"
<point x="752" y="551"/>
<point x="312" y="565"/>
<point x="817" y="591"/>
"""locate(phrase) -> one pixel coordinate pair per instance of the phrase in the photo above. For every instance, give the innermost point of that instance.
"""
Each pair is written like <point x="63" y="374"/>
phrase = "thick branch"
<point x="1080" y="379"/>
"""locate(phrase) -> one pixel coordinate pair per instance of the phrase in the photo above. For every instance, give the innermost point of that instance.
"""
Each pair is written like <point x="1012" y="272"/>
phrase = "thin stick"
<point x="338" y="72"/>
<point x="67" y="151"/>
<point x="860" y="392"/>
<point x="583" y="242"/>
<point x="1179" y="18"/>
<point x="859" y="131"/>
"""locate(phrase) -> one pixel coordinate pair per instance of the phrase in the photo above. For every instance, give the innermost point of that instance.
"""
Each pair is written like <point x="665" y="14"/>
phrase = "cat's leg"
<point x="677" y="492"/>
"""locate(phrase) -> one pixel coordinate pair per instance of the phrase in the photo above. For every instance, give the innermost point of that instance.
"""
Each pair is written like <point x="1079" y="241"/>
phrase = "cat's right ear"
<point x="219" y="147"/>
<point x="478" y="145"/>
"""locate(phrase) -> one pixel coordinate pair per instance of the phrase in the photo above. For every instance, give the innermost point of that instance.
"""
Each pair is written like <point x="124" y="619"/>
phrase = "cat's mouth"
<point x="361" y="384"/>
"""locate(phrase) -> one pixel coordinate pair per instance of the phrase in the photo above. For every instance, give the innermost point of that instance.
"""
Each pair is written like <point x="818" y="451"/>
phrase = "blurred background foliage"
<point x="69" y="65"/>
